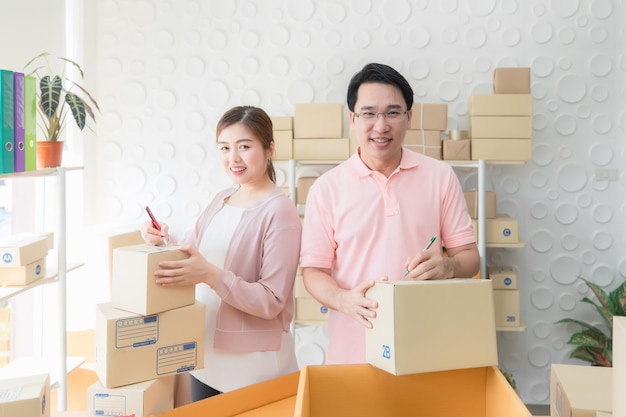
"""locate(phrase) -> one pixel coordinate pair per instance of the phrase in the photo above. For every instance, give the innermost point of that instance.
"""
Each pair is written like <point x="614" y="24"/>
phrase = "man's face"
<point x="380" y="138"/>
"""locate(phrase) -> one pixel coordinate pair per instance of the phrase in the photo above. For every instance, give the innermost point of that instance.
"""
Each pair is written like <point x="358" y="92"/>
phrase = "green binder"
<point x="6" y="119"/>
<point x="30" y="122"/>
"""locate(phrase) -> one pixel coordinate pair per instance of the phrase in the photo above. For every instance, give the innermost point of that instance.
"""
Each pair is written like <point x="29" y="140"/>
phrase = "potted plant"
<point x="593" y="345"/>
<point x="58" y="97"/>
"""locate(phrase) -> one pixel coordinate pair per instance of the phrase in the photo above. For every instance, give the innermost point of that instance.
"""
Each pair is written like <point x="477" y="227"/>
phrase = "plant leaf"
<point x="618" y="300"/>
<point x="77" y="106"/>
<point x="50" y="94"/>
<point x="587" y="339"/>
<point x="598" y="291"/>
<point x="584" y="325"/>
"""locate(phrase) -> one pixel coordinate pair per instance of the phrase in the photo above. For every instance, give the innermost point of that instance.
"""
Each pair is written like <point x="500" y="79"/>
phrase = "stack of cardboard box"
<point x="145" y="335"/>
<point x="505" y="296"/>
<point x="23" y="258"/>
<point x="501" y="123"/>
<point x="25" y="396"/>
<point x="318" y="133"/>
<point x="282" y="127"/>
<point x="427" y="125"/>
<point x="307" y="309"/>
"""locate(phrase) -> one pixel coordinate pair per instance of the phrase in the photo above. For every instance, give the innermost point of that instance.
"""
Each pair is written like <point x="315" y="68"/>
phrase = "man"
<point x="370" y="217"/>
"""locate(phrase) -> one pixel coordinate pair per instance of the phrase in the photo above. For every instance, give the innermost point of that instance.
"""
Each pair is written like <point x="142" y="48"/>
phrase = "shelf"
<point x="506" y="245"/>
<point x="520" y="328"/>
<point x="51" y="276"/>
<point x="35" y="365"/>
<point x="44" y="172"/>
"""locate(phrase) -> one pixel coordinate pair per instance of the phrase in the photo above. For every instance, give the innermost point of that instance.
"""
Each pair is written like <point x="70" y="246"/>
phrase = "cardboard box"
<point x="321" y="149"/>
<point x="511" y="81"/>
<point x="133" y="287"/>
<point x="299" y="290"/>
<point x="429" y="116"/>
<point x="317" y="121"/>
<point x="501" y="149"/>
<point x="283" y="142"/>
<point x="471" y="199"/>
<point x="23" y="275"/>
<point x="581" y="390"/>
<point x="365" y="391"/>
<point x="501" y="105"/>
<point x="503" y="278"/>
<point x="431" y="151"/>
<point x="506" y="307"/>
<point x="143" y="399"/>
<point x="501" y="127"/>
<point x="16" y="251"/>
<point x="456" y="149"/>
<point x="619" y="365"/>
<point x="423" y="137"/>
<point x="302" y="188"/>
<point x="282" y="122"/>
<point x="414" y="331"/>
<point x="502" y="229"/>
<point x="309" y="309"/>
<point x="273" y="398"/>
<point x="131" y="348"/>
<point x="25" y="396"/>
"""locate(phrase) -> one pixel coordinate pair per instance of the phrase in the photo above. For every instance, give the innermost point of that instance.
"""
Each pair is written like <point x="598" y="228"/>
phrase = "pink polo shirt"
<point x="364" y="226"/>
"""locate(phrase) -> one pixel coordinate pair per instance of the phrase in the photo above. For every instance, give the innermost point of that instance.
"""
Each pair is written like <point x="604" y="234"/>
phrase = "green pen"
<point x="428" y="245"/>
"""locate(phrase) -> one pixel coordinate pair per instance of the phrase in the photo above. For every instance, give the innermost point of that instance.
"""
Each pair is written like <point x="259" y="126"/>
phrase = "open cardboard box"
<point x="364" y="390"/>
<point x="273" y="398"/>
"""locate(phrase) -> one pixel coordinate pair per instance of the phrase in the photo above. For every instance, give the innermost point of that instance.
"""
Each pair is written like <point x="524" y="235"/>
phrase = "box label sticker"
<point x="109" y="405"/>
<point x="136" y="332"/>
<point x="177" y="358"/>
<point x="386" y="351"/>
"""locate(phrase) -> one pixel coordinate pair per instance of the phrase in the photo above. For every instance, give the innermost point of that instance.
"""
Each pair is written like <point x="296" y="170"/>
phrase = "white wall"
<point x="167" y="69"/>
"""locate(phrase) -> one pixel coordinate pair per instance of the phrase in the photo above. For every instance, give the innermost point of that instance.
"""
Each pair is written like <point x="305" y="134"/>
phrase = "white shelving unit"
<point x="55" y="273"/>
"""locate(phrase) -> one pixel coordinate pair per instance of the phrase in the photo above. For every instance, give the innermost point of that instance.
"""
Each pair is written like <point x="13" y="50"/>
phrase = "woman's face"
<point x="242" y="155"/>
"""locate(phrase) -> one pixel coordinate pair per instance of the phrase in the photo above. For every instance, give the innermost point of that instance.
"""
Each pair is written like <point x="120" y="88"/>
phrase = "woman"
<point x="243" y="256"/>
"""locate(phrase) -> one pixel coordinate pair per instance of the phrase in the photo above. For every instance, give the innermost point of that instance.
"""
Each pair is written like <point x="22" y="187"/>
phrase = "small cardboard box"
<point x="365" y="391"/>
<point x="502" y="229"/>
<point x="299" y="290"/>
<point x="501" y="149"/>
<point x="16" y="251"/>
<point x="143" y="399"/>
<point x="423" y="138"/>
<point x="430" y="116"/>
<point x="501" y="105"/>
<point x="283" y="141"/>
<point x="503" y="278"/>
<point x="415" y="332"/>
<point x="321" y="149"/>
<point x="303" y="184"/>
<point x="309" y="309"/>
<point x="431" y="151"/>
<point x="23" y="275"/>
<point x="318" y="121"/>
<point x="511" y="80"/>
<point x="501" y="127"/>
<point x="25" y="396"/>
<point x="273" y="398"/>
<point x="282" y="122"/>
<point x="619" y="365"/>
<point x="456" y="149"/>
<point x="506" y="307"/>
<point x="471" y="199"/>
<point x="131" y="348"/>
<point x="133" y="286"/>
<point x="581" y="390"/>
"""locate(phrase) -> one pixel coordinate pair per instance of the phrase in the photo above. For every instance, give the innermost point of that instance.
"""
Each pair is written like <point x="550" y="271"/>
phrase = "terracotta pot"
<point x="49" y="154"/>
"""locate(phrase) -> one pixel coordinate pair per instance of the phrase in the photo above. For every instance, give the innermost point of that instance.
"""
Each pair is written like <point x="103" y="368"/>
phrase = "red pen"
<point x="155" y="223"/>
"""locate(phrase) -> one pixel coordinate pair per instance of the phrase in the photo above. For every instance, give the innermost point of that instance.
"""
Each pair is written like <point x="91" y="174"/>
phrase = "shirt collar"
<point x="409" y="160"/>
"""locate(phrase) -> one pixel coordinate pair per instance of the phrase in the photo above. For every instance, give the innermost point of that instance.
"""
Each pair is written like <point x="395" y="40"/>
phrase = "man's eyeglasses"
<point x="391" y="116"/>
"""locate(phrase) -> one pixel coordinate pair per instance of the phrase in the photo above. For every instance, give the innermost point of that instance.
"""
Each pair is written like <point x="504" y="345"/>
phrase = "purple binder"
<point x="19" y="145"/>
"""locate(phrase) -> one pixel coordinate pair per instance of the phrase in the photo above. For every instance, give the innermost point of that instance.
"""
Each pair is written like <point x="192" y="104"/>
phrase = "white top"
<point x="223" y="370"/>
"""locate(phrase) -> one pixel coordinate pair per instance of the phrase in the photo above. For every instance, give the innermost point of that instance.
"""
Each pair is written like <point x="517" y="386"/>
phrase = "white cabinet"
<point x="57" y="269"/>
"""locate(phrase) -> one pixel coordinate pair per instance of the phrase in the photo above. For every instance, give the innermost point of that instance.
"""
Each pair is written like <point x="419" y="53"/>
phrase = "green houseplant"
<point x="593" y="345"/>
<point x="59" y="100"/>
